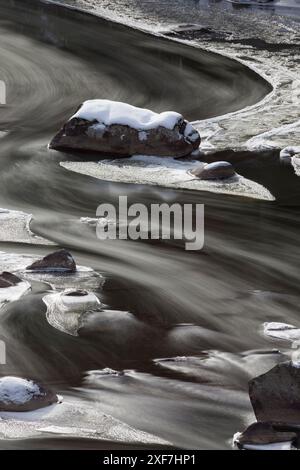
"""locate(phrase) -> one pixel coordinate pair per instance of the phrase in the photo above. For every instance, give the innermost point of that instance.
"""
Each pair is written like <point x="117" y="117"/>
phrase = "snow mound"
<point x="113" y="112"/>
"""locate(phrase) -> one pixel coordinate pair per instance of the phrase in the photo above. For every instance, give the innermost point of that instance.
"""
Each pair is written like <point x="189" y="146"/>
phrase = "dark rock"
<point x="275" y="396"/>
<point x="264" y="433"/>
<point x="59" y="261"/>
<point x="17" y="394"/>
<point x="214" y="171"/>
<point x="8" y="280"/>
<point x="122" y="140"/>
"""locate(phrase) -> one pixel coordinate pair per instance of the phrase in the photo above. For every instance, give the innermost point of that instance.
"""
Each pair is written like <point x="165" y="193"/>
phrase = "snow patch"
<point x="113" y="112"/>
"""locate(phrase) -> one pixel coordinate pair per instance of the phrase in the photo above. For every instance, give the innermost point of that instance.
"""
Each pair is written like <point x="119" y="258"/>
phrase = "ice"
<point x="282" y="331"/>
<point x="15" y="227"/>
<point x="64" y="311"/>
<point x="169" y="172"/>
<point x="84" y="277"/>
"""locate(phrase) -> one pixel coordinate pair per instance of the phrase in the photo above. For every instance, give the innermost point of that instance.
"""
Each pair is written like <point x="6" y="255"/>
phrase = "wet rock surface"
<point x="59" y="261"/>
<point x="214" y="171"/>
<point x="8" y="280"/>
<point x="275" y="396"/>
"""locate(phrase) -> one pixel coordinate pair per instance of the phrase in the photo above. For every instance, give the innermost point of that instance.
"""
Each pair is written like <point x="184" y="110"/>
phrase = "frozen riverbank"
<point x="269" y="44"/>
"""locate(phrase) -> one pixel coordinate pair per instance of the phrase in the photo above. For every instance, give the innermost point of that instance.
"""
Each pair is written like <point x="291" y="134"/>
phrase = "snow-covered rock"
<point x="119" y="129"/>
<point x="17" y="394"/>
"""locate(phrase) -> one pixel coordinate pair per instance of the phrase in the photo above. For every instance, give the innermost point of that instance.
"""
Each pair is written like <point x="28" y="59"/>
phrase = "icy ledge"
<point x="15" y="227"/>
<point x="169" y="172"/>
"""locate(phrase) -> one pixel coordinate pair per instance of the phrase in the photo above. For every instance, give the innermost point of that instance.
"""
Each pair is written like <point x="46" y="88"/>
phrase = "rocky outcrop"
<point x="118" y="129"/>
<point x="17" y="394"/>
<point x="214" y="171"/>
<point x="8" y="280"/>
<point x="59" y="261"/>
<point x="275" y="396"/>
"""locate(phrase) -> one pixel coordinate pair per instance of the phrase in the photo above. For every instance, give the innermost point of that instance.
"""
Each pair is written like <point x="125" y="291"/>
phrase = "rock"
<point x="214" y="171"/>
<point x="119" y="129"/>
<point x="262" y="434"/>
<point x="8" y="280"/>
<point x="275" y="396"/>
<point x="17" y="394"/>
<point x="59" y="261"/>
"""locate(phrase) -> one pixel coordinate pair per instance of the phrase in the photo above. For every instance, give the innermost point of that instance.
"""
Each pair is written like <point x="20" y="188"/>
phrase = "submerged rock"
<point x="214" y="171"/>
<point x="275" y="396"/>
<point x="261" y="434"/>
<point x="8" y="280"/>
<point x="119" y="129"/>
<point x="59" y="261"/>
<point x="17" y="394"/>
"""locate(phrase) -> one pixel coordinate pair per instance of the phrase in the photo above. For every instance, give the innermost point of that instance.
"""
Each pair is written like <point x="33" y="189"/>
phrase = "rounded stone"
<point x="214" y="171"/>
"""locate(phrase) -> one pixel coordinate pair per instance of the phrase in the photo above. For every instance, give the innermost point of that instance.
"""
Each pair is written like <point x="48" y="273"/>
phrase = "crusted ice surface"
<point x="84" y="277"/>
<point x="113" y="112"/>
<point x="64" y="311"/>
<point x="74" y="417"/>
<point x="282" y="331"/>
<point x="169" y="172"/>
<point x="15" y="227"/>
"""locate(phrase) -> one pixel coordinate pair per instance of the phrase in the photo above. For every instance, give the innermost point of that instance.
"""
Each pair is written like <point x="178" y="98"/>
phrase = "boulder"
<point x="214" y="171"/>
<point x="17" y="394"/>
<point x="261" y="434"/>
<point x="275" y="396"/>
<point x="119" y="129"/>
<point x="59" y="261"/>
<point x="8" y="280"/>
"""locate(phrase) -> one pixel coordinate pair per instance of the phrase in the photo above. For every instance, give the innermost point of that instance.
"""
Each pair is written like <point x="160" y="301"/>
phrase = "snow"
<point x="16" y="390"/>
<point x="113" y="112"/>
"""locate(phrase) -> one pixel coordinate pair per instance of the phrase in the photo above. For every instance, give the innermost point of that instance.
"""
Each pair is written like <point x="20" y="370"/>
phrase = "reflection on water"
<point x="207" y="306"/>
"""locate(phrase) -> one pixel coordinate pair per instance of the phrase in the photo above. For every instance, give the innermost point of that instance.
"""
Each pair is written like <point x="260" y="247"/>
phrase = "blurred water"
<point x="207" y="306"/>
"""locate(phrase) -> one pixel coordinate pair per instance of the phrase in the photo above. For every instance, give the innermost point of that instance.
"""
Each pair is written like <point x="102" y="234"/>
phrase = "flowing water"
<point x="202" y="310"/>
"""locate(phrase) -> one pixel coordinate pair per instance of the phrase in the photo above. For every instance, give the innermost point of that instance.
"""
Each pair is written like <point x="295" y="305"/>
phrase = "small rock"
<point x="214" y="171"/>
<point x="119" y="129"/>
<point x="259" y="434"/>
<point x="59" y="261"/>
<point x="275" y="396"/>
<point x="8" y="280"/>
<point x="17" y="394"/>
